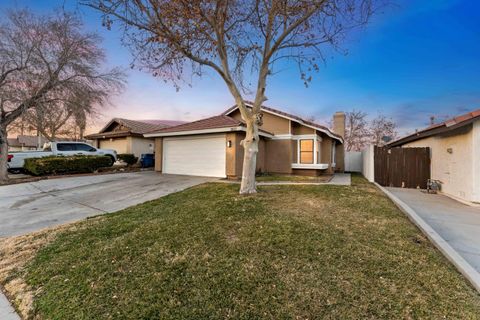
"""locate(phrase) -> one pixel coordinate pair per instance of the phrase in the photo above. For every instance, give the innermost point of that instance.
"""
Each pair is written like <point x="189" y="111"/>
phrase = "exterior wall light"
<point x="450" y="150"/>
<point x="229" y="143"/>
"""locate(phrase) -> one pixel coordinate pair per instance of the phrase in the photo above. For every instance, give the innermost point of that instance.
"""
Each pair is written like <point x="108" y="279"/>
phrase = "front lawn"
<point x="289" y="252"/>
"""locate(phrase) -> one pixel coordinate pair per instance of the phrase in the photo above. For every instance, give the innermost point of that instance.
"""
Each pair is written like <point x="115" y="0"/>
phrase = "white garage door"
<point x="197" y="156"/>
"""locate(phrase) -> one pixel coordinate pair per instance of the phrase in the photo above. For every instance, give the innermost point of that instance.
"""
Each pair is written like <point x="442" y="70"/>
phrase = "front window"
<point x="85" y="147"/>
<point x="65" y="147"/>
<point x="306" y="151"/>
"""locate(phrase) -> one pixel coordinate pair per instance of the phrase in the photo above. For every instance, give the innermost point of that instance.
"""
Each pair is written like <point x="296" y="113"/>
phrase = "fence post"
<point x="368" y="163"/>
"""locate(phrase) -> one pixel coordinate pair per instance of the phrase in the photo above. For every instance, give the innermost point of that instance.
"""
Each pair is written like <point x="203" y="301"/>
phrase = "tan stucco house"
<point x="288" y="145"/>
<point x="126" y="136"/>
<point x="25" y="143"/>
<point x="455" y="154"/>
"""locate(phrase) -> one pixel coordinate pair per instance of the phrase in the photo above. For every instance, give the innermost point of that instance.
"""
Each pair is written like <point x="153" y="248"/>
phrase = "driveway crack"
<point x="52" y="193"/>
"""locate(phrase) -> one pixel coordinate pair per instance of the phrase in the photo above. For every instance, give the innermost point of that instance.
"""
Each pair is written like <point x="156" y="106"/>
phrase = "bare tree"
<point x="382" y="130"/>
<point x="45" y="60"/>
<point x="65" y="117"/>
<point x="241" y="41"/>
<point x="357" y="133"/>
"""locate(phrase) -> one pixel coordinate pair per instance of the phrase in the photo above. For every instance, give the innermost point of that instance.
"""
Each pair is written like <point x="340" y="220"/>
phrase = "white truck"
<point x="59" y="148"/>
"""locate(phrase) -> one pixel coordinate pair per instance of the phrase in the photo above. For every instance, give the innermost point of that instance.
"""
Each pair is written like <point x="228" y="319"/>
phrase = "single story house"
<point x="126" y="136"/>
<point x="25" y="143"/>
<point x="455" y="154"/>
<point x="288" y="145"/>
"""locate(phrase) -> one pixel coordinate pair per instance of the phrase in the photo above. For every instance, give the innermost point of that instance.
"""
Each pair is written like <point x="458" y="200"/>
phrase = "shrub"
<point x="128" y="158"/>
<point x="73" y="164"/>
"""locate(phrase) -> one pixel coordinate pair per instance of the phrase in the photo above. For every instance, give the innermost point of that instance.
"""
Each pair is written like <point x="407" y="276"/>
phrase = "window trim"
<point x="334" y="153"/>
<point x="316" y="147"/>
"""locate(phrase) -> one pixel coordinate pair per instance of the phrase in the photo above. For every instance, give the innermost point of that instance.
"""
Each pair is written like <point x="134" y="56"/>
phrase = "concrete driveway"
<point x="33" y="206"/>
<point x="458" y="224"/>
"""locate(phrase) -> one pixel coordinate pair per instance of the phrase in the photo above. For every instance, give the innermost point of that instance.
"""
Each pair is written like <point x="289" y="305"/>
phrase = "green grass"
<point x="303" y="252"/>
<point x="292" y="178"/>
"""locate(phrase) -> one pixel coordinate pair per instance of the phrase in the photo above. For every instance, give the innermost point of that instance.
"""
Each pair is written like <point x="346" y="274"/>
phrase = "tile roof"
<point x="168" y="123"/>
<point x="221" y="121"/>
<point x="135" y="127"/>
<point x="143" y="126"/>
<point x="288" y="115"/>
<point x="447" y="125"/>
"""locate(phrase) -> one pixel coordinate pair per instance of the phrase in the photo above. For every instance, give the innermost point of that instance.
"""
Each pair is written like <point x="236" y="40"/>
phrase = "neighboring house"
<point x="288" y="145"/>
<point x="126" y="136"/>
<point x="24" y="143"/>
<point x="455" y="154"/>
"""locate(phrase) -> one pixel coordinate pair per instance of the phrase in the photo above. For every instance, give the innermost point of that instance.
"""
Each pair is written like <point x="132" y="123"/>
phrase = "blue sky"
<point x="417" y="59"/>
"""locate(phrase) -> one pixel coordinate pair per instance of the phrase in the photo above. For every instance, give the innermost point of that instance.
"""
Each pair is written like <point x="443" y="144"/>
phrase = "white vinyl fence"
<point x="353" y="161"/>
<point x="368" y="164"/>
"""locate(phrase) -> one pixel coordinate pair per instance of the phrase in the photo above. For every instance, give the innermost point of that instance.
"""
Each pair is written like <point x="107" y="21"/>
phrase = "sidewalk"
<point x="6" y="310"/>
<point x="339" y="179"/>
<point x="453" y="227"/>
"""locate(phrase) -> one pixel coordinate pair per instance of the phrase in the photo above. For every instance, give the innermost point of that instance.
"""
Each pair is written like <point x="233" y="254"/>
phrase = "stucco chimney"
<point x="339" y="123"/>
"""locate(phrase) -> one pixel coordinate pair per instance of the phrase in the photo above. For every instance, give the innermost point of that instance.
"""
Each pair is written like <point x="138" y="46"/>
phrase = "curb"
<point x="458" y="261"/>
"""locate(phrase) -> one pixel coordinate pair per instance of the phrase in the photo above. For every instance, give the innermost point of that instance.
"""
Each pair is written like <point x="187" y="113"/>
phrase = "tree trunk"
<point x="81" y="133"/>
<point x="3" y="154"/>
<point x="250" y="146"/>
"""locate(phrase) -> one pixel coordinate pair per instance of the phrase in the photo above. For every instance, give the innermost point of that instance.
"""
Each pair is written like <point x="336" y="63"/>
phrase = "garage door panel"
<point x="195" y="156"/>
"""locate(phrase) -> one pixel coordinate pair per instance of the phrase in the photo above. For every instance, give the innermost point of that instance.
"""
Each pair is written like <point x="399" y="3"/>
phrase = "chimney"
<point x="339" y="123"/>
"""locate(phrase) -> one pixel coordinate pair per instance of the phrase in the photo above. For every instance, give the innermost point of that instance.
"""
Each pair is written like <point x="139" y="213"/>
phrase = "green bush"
<point x="128" y="158"/>
<point x="73" y="164"/>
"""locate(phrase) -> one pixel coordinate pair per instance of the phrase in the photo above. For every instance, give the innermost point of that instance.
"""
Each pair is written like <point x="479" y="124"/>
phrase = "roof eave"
<point x="429" y="132"/>
<point x="327" y="132"/>
<point x="112" y="134"/>
<point x="203" y="131"/>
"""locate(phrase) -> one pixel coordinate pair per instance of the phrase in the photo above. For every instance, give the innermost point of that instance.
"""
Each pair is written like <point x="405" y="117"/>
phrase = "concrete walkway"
<point x="6" y="310"/>
<point x="339" y="179"/>
<point x="458" y="224"/>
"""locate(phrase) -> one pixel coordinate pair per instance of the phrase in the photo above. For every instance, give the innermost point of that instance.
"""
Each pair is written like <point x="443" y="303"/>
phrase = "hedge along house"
<point x="288" y="145"/>
<point x="455" y="154"/>
<point x="126" y="136"/>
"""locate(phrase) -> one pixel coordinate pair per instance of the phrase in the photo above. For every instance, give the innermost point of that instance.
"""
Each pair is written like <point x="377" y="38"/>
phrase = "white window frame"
<point x="334" y="153"/>
<point x="299" y="143"/>
<point x="316" y="148"/>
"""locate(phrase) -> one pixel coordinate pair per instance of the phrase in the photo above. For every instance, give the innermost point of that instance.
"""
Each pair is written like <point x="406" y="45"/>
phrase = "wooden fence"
<point x="402" y="167"/>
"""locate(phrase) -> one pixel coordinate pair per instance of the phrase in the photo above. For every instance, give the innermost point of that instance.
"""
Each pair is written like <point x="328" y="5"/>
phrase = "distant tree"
<point x="357" y="133"/>
<point x="62" y="118"/>
<point x="241" y="41"/>
<point x="47" y="61"/>
<point x="382" y="130"/>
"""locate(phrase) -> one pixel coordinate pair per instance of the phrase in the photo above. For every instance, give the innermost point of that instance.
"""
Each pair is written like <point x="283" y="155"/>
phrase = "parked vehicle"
<point x="68" y="148"/>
